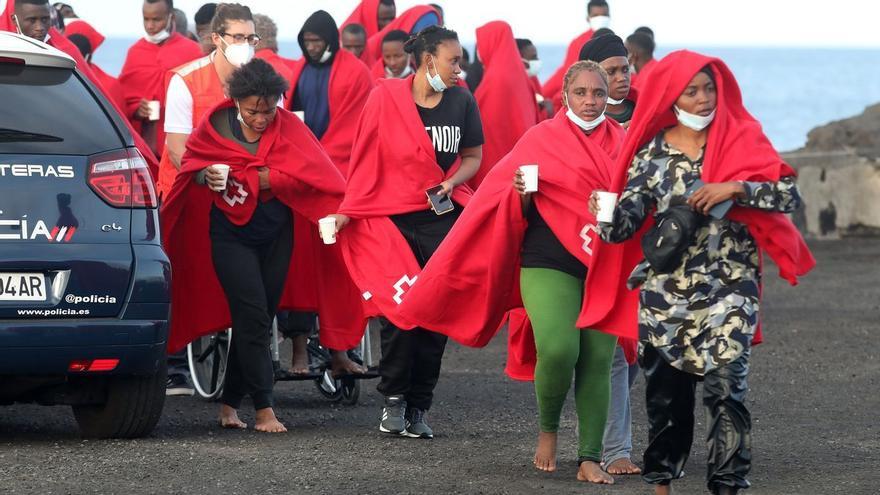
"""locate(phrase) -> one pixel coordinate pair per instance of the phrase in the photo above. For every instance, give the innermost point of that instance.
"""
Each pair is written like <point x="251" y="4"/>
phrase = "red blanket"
<point x="639" y="78"/>
<point x="553" y="85"/>
<point x="303" y="178"/>
<point x="392" y="165"/>
<point x="404" y="22"/>
<point x="472" y="281"/>
<point x="367" y="15"/>
<point x="350" y="84"/>
<point x="144" y="74"/>
<point x="505" y="96"/>
<point x="737" y="149"/>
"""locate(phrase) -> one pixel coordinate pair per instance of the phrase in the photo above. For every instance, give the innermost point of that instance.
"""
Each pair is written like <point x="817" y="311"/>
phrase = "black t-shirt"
<point x="269" y="216"/>
<point x="452" y="125"/>
<point x="542" y="249"/>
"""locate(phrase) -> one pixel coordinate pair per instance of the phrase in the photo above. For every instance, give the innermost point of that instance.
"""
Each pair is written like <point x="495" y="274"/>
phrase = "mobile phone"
<point x="718" y="211"/>
<point x="440" y="203"/>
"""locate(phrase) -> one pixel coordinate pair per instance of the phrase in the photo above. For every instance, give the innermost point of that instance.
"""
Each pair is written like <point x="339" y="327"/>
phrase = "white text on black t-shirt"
<point x="445" y="138"/>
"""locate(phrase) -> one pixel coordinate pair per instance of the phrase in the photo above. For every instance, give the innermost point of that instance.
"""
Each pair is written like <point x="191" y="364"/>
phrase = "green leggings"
<point x="553" y="301"/>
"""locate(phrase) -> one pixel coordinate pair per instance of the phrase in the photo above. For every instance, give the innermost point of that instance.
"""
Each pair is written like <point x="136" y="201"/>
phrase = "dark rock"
<point x="860" y="133"/>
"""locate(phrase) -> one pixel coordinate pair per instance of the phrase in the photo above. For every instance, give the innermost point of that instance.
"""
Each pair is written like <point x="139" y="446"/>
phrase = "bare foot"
<point x="592" y="472"/>
<point x="545" y="452"/>
<point x="229" y="418"/>
<point x="623" y="466"/>
<point x="300" y="364"/>
<point x="341" y="364"/>
<point x="267" y="422"/>
<point x="662" y="489"/>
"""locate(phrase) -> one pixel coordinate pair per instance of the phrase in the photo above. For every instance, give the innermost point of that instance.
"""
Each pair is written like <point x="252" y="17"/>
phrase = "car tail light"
<point x="84" y="365"/>
<point x="11" y="60"/>
<point x="122" y="179"/>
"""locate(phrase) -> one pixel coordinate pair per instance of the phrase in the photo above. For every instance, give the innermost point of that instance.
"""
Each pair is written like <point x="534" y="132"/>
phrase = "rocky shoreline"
<point x="839" y="177"/>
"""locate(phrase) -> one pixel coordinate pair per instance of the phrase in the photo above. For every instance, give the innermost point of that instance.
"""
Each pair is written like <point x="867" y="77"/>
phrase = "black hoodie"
<point x="322" y="24"/>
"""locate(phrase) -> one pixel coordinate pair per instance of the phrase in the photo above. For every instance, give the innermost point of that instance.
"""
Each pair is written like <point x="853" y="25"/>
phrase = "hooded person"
<point x="698" y="159"/>
<point x="83" y="36"/>
<point x="609" y="51"/>
<point x="230" y="237"/>
<point x="411" y="21"/>
<point x="372" y="16"/>
<point x="504" y="95"/>
<point x="395" y="62"/>
<point x="146" y="63"/>
<point x="513" y="248"/>
<point x="330" y="87"/>
<point x="418" y="142"/>
<point x="195" y="87"/>
<point x="598" y="17"/>
<point x="32" y="18"/>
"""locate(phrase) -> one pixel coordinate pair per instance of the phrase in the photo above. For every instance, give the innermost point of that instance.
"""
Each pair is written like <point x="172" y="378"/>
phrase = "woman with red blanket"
<point x="699" y="297"/>
<point x="511" y="250"/>
<point x="417" y="137"/>
<point x="230" y="239"/>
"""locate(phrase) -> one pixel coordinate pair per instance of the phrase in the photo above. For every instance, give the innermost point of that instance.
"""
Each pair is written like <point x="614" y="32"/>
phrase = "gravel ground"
<point x="814" y="401"/>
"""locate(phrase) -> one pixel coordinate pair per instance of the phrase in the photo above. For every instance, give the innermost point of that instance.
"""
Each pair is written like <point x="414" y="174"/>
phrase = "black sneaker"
<point x="178" y="385"/>
<point x="393" y="420"/>
<point x="416" y="424"/>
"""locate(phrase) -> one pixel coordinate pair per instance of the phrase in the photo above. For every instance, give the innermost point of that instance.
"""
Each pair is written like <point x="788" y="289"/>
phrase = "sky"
<point x="679" y="23"/>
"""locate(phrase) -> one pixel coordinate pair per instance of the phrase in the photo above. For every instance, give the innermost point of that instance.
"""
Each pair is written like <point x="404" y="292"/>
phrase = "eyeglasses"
<point x="252" y="39"/>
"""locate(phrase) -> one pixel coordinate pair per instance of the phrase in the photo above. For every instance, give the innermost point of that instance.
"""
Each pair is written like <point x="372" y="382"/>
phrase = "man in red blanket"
<point x="230" y="239"/>
<point x="598" y="17"/>
<point x="87" y="40"/>
<point x="504" y="94"/>
<point x="146" y="64"/>
<point x="410" y="21"/>
<point x="395" y="62"/>
<point x="640" y="46"/>
<point x="529" y="53"/>
<point x="267" y="50"/>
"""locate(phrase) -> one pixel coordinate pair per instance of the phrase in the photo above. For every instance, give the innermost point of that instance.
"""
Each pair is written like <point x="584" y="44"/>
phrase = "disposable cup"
<point x="530" y="176"/>
<point x="327" y="229"/>
<point x="154" y="109"/>
<point x="223" y="169"/>
<point x="607" y="203"/>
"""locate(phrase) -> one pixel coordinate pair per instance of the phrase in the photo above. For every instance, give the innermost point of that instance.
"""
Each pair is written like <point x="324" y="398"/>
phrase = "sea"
<point x="789" y="90"/>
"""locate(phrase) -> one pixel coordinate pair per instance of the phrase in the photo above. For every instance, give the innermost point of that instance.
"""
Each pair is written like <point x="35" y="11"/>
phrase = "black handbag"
<point x="673" y="232"/>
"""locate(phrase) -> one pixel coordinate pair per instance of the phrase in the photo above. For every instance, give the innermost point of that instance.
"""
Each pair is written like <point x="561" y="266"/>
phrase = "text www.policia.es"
<point x="53" y="312"/>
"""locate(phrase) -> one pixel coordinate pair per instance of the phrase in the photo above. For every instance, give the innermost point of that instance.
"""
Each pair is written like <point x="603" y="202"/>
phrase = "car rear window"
<point x="50" y="111"/>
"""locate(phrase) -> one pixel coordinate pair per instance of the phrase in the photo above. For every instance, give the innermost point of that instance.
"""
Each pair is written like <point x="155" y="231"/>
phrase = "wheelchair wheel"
<point x="330" y="388"/>
<point x="351" y="391"/>
<point x="207" y="358"/>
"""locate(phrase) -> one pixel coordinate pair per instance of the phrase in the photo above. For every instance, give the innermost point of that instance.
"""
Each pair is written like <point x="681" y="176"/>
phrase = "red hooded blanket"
<point x="404" y="22"/>
<point x="505" y="96"/>
<point x="392" y="165"/>
<point x="304" y="179"/>
<point x="553" y="86"/>
<point x="367" y="15"/>
<point x="736" y="149"/>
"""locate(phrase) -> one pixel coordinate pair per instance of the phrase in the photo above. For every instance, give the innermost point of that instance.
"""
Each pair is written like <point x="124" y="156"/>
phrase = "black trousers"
<point x="253" y="279"/>
<point x="670" y="397"/>
<point x="411" y="359"/>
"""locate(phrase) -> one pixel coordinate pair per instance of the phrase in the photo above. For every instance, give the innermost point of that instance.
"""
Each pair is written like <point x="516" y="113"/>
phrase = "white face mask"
<point x="587" y="125"/>
<point x="240" y="118"/>
<point x="390" y="75"/>
<point x="238" y="55"/>
<point x="435" y="81"/>
<point x="325" y="56"/>
<point x="599" y="22"/>
<point x="612" y="101"/>
<point x="534" y="67"/>
<point x="693" y="121"/>
<point x="161" y="35"/>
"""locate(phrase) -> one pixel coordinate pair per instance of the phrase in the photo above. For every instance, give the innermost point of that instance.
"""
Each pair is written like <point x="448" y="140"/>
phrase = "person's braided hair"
<point x="427" y="40"/>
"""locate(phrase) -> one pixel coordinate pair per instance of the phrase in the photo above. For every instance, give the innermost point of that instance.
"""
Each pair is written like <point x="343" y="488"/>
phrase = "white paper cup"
<point x="607" y="203"/>
<point x="530" y="176"/>
<point x="300" y="114"/>
<point x="327" y="229"/>
<point x="154" y="109"/>
<point x="223" y="169"/>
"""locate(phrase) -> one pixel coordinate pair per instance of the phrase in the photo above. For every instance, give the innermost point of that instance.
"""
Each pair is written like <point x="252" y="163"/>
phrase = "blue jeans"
<point x="617" y="443"/>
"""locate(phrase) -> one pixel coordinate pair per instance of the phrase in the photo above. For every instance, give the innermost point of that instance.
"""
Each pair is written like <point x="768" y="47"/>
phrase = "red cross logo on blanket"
<point x="588" y="240"/>
<point x="398" y="286"/>
<point x="235" y="193"/>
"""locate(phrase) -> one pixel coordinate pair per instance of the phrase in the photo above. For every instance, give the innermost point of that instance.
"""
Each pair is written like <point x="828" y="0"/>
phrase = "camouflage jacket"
<point x="702" y="315"/>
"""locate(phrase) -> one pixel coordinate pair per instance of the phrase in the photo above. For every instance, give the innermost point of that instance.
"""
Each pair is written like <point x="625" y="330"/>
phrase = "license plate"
<point x="22" y="287"/>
